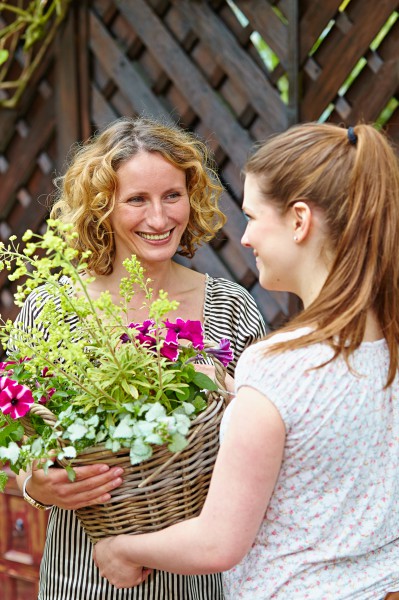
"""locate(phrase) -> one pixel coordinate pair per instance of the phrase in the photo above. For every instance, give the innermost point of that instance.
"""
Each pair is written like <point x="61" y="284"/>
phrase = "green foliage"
<point x="30" y="29"/>
<point x="108" y="381"/>
<point x="32" y="20"/>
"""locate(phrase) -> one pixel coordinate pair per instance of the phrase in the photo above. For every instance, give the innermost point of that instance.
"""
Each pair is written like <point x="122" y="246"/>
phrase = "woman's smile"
<point x="155" y="237"/>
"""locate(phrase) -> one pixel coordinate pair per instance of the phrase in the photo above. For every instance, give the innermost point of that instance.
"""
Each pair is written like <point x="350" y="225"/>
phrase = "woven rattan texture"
<point x="167" y="488"/>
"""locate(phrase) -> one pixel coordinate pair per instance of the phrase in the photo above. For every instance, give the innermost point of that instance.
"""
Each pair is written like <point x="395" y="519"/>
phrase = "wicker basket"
<point x="161" y="491"/>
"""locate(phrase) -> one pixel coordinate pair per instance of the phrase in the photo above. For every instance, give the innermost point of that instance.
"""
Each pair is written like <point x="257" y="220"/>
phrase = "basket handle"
<point x="41" y="411"/>
<point x="220" y="373"/>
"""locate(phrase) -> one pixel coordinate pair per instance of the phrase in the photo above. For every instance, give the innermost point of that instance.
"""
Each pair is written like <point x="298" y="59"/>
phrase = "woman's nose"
<point x="156" y="216"/>
<point x="244" y="240"/>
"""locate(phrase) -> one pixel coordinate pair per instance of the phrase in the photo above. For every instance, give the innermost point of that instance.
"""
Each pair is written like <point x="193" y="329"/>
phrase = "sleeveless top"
<point x="67" y="570"/>
<point x="331" y="529"/>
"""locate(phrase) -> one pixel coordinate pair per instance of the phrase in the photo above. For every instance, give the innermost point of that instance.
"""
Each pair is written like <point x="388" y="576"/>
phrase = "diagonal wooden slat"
<point x="313" y="20"/>
<point x="268" y="25"/>
<point x="192" y="85"/>
<point x="22" y="158"/>
<point x="371" y="91"/>
<point x="123" y="71"/>
<point x="235" y="62"/>
<point x="102" y="112"/>
<point x="366" y="19"/>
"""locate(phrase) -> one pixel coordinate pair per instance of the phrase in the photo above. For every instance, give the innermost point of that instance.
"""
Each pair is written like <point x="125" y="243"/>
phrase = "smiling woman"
<point x="138" y="187"/>
<point x="151" y="213"/>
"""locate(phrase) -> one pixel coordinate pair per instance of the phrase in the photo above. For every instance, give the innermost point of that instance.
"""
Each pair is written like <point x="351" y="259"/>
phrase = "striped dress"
<point x="67" y="569"/>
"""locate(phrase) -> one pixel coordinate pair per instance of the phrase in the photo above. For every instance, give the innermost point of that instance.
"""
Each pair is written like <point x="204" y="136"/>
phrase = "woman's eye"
<point x="173" y="195"/>
<point x="246" y="217"/>
<point x="135" y="200"/>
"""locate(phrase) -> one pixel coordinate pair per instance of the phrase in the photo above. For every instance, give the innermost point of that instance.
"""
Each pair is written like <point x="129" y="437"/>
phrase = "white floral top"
<point x="331" y="531"/>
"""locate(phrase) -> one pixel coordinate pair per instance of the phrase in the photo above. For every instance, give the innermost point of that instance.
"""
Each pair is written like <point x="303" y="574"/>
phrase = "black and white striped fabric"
<point x="67" y="570"/>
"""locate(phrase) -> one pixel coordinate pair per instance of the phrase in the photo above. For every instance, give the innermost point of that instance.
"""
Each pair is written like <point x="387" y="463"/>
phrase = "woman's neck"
<point x="164" y="276"/>
<point x="182" y="284"/>
<point x="373" y="331"/>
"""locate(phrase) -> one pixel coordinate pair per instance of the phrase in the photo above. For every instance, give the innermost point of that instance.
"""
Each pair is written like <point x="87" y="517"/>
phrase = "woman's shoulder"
<point x="226" y="299"/>
<point x="311" y="354"/>
<point x="41" y="296"/>
<point x="221" y="288"/>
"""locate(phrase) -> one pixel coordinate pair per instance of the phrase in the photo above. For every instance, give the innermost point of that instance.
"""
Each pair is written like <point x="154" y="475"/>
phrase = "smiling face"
<point x="270" y="235"/>
<point x="152" y="208"/>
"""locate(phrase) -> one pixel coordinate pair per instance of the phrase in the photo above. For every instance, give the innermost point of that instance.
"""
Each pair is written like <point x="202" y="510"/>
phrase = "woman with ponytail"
<point x="309" y="460"/>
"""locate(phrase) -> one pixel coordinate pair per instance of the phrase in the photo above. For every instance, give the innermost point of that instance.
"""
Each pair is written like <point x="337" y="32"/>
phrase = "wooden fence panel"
<point x="232" y="71"/>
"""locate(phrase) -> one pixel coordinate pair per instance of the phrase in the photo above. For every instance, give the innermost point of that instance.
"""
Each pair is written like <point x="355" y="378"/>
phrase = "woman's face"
<point x="270" y="235"/>
<point x="152" y="208"/>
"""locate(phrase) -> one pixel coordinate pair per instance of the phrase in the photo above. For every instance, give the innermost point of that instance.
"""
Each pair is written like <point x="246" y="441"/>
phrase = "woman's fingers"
<point x="92" y="485"/>
<point x="114" y="566"/>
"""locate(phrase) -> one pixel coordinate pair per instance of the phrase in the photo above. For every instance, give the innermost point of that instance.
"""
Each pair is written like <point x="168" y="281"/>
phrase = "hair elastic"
<point x="352" y="137"/>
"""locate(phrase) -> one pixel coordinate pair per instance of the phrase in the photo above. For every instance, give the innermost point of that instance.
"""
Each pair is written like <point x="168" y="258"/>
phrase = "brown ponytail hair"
<point x="353" y="176"/>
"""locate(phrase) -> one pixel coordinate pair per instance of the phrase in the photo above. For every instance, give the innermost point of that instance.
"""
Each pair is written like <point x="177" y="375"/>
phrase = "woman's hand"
<point x="113" y="563"/>
<point x="91" y="486"/>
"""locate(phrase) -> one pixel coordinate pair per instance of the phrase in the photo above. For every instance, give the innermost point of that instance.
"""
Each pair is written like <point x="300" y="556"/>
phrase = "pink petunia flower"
<point x="46" y="397"/>
<point x="45" y="372"/>
<point x="170" y="350"/>
<point x="15" y="399"/>
<point x="143" y="328"/>
<point x="185" y="330"/>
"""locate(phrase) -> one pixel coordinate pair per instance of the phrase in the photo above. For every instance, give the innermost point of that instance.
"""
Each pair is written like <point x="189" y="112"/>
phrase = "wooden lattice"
<point x="233" y="72"/>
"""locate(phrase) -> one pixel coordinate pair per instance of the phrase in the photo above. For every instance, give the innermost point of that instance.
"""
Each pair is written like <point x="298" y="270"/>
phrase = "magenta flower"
<point x="15" y="399"/>
<point x="46" y="397"/>
<point x="170" y="350"/>
<point x="4" y="365"/>
<point x="143" y="329"/>
<point x="185" y="330"/>
<point x="222" y="353"/>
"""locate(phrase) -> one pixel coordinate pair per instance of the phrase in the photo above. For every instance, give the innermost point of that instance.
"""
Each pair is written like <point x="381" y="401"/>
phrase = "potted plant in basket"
<point x="84" y="384"/>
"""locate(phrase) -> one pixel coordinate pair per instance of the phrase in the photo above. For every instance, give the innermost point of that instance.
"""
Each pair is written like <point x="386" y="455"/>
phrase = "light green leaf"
<point x="37" y="446"/>
<point x="139" y="452"/>
<point x="189" y="408"/>
<point x="123" y="430"/>
<point x="154" y="438"/>
<point x="10" y="453"/>
<point x="182" y="424"/>
<point x="155" y="412"/>
<point x="144" y="428"/>
<point x="76" y="431"/>
<point x="68" y="452"/>
<point x="71" y="473"/>
<point x="178" y="443"/>
<point x="3" y="480"/>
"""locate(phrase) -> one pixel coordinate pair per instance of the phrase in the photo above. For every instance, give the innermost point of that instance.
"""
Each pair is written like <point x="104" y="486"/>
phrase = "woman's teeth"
<point x="155" y="236"/>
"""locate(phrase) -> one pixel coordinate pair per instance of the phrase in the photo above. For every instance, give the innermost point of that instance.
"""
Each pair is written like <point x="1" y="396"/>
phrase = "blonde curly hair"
<point x="87" y="191"/>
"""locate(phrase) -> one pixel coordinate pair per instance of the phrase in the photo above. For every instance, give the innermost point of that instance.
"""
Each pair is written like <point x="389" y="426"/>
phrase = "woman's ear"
<point x="301" y="215"/>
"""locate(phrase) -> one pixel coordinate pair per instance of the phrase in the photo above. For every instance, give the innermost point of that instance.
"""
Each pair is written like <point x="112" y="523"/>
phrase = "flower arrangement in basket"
<point x="86" y="385"/>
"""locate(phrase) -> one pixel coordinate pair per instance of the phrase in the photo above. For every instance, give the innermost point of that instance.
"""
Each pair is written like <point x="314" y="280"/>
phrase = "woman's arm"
<point x="92" y="486"/>
<point x="243" y="480"/>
